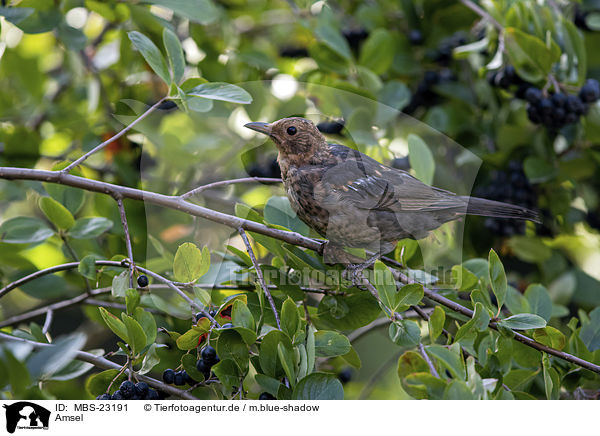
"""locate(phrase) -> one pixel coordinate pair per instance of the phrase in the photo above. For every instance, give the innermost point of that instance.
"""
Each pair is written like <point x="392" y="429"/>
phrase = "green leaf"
<point x="590" y="332"/>
<point x="174" y="54"/>
<point x="377" y="52"/>
<point x="56" y="213"/>
<point x="198" y="11"/>
<point x="98" y="383"/>
<point x="87" y="267"/>
<point x="120" y="284"/>
<point x="290" y="320"/>
<point x="230" y="345"/>
<point x="70" y="197"/>
<point x="278" y="211"/>
<point x="135" y="333"/>
<point x="333" y="39"/>
<point x="150" y="360"/>
<point x="90" y="228"/>
<point x="451" y="359"/>
<point x="408" y="295"/>
<point x="189" y="340"/>
<point x="349" y="312"/>
<point x="241" y="316"/>
<point x="318" y="386"/>
<point x="151" y="54"/>
<point x="24" y="230"/>
<point x="189" y="364"/>
<point x="405" y="333"/>
<point x="530" y="249"/>
<point x="524" y="321"/>
<point x="221" y="91"/>
<point x="465" y="280"/>
<point x="228" y="373"/>
<point x="479" y="320"/>
<point x="268" y="356"/>
<point x="115" y="324"/>
<point x="458" y="390"/>
<point x="16" y="15"/>
<point x="539" y="301"/>
<point x="352" y="358"/>
<point x="269" y="384"/>
<point x="436" y="323"/>
<point x="531" y="57"/>
<point x="287" y="362"/>
<point x="497" y="277"/>
<point x="188" y="264"/>
<point x="550" y="337"/>
<point x="385" y="284"/>
<point x="421" y="159"/>
<point x="411" y="362"/>
<point x="132" y="299"/>
<point x="329" y="344"/>
<point x="49" y="360"/>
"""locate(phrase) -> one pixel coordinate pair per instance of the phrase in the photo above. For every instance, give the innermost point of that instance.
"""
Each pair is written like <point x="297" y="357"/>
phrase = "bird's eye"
<point x="291" y="130"/>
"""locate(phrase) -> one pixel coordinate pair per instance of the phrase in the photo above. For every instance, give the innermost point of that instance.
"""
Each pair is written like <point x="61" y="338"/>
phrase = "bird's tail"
<point x="497" y="209"/>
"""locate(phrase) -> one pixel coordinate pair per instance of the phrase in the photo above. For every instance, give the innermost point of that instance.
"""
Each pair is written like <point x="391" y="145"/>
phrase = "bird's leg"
<point x="354" y="270"/>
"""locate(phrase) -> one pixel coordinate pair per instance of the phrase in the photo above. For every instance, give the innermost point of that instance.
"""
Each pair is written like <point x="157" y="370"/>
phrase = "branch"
<point x="199" y="189"/>
<point x="172" y="202"/>
<point x="428" y="360"/>
<point x="483" y="14"/>
<point x="261" y="279"/>
<point x="112" y="139"/>
<point x="127" y="238"/>
<point x="103" y="363"/>
<point x="518" y="336"/>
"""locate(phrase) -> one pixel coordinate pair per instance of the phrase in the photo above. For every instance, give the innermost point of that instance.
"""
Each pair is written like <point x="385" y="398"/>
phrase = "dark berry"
<point x="401" y="163"/>
<point x="345" y="375"/>
<point x="559" y="99"/>
<point x="580" y="18"/>
<point x="127" y="389"/>
<point x="167" y="105"/>
<point x="266" y="396"/>
<point x="571" y="118"/>
<point x="179" y="378"/>
<point x="533" y="95"/>
<point x="446" y="75"/>
<point x="574" y="105"/>
<point x="293" y="52"/>
<point x="212" y="312"/>
<point x="415" y="37"/>
<point x="141" y="389"/>
<point x="355" y="37"/>
<point x="104" y="397"/>
<point x="533" y="114"/>
<point x="590" y="91"/>
<point x="169" y="376"/>
<point x="502" y="80"/>
<point x="546" y="106"/>
<point x="188" y="379"/>
<point x="256" y="170"/>
<point x="117" y="396"/>
<point x="199" y="316"/>
<point x="152" y="395"/>
<point x="274" y="169"/>
<point x="511" y="74"/>
<point x="431" y="77"/>
<point x="559" y="115"/>
<point x="209" y="354"/>
<point x="331" y="127"/>
<point x="142" y="281"/>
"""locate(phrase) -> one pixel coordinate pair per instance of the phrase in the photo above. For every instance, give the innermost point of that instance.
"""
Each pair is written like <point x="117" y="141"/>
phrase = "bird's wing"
<point x="356" y="179"/>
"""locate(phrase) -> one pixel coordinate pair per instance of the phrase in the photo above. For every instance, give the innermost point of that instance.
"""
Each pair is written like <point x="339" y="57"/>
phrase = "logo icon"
<point x="26" y="415"/>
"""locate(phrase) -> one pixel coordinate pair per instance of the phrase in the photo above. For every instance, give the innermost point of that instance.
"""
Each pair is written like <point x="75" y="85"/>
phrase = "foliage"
<point x="186" y="75"/>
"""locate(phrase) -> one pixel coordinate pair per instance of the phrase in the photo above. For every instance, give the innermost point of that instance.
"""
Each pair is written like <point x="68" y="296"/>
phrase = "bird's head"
<point x="293" y="135"/>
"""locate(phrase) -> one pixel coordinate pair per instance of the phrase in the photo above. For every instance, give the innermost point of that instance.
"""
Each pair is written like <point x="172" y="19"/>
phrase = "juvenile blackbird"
<point x="354" y="201"/>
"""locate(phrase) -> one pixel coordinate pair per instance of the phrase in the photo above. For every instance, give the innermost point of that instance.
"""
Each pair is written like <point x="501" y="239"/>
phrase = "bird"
<point x="355" y="201"/>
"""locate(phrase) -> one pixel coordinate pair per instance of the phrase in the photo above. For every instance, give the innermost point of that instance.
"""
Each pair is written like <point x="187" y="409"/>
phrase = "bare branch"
<point x="48" y="321"/>
<point x="259" y="273"/>
<point x="112" y="139"/>
<point x="199" y="189"/>
<point x="127" y="238"/>
<point x="428" y="360"/>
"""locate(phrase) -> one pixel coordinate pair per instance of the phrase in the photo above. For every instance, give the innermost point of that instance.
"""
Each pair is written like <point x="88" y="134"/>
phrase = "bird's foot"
<point x="354" y="272"/>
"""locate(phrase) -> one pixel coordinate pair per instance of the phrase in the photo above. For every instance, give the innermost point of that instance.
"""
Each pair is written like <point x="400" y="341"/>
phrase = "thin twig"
<point x="101" y="362"/>
<point x="48" y="321"/>
<point x="428" y="360"/>
<point x="261" y="279"/>
<point x="199" y="189"/>
<point x="482" y="13"/>
<point x="127" y="238"/>
<point x="112" y="139"/>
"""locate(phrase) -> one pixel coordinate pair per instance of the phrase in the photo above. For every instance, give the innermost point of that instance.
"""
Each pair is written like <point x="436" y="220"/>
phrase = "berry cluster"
<point x="557" y="110"/>
<point x="208" y="360"/>
<point x="511" y="187"/>
<point x="177" y="378"/>
<point x="130" y="391"/>
<point x="425" y="95"/>
<point x="443" y="53"/>
<point x="554" y="110"/>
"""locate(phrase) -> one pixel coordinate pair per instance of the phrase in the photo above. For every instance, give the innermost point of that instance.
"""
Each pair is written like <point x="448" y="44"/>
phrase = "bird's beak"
<point x="260" y="127"/>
